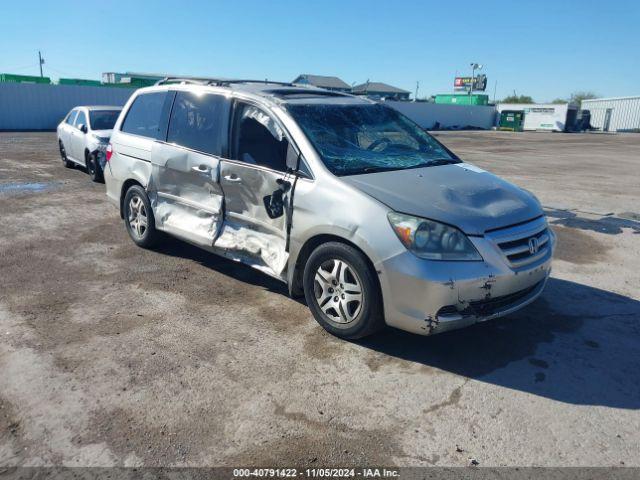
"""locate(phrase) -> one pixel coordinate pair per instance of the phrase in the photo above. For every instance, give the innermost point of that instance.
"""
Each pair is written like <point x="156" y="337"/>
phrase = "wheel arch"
<point x="126" y="185"/>
<point x="296" y="275"/>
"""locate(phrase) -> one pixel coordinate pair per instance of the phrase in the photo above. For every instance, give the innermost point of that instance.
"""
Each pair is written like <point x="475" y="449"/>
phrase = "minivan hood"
<point x="461" y="195"/>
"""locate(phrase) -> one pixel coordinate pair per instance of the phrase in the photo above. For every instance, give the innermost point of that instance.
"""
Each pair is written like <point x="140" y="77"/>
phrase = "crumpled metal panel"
<point x="461" y="194"/>
<point x="185" y="193"/>
<point x="260" y="249"/>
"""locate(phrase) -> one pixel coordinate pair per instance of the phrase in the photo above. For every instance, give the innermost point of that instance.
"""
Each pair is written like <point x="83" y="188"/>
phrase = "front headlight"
<point x="432" y="240"/>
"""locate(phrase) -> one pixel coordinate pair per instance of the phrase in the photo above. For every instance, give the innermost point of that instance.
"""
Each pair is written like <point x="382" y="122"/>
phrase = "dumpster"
<point x="511" y="120"/>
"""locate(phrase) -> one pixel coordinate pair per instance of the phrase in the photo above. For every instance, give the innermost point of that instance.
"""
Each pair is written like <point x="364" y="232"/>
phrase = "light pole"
<point x="40" y="62"/>
<point x="474" y="67"/>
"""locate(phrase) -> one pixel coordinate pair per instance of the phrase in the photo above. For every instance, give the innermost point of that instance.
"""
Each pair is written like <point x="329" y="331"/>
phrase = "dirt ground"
<point x="113" y="355"/>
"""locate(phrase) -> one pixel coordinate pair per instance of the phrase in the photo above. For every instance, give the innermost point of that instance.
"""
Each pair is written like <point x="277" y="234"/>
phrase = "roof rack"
<point x="216" y="81"/>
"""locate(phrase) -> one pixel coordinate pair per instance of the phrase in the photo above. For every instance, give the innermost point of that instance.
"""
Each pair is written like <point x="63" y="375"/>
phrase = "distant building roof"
<point x="377" y="87"/>
<point x="159" y="76"/>
<point x="322" y="81"/>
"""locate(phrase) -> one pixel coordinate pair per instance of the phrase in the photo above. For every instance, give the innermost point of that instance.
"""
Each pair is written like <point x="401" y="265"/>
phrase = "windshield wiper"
<point x="441" y="161"/>
<point x="379" y="169"/>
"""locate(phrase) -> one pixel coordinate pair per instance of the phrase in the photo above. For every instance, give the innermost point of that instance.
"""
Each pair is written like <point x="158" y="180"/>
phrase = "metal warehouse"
<point x="616" y="114"/>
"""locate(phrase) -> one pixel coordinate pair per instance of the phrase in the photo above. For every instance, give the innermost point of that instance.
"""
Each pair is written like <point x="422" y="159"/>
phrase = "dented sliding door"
<point x="185" y="185"/>
<point x="187" y="198"/>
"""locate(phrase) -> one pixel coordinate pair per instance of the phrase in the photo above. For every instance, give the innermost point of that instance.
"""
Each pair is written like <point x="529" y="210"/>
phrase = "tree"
<point x="578" y="97"/>
<point x="518" y="99"/>
<point x="559" y="100"/>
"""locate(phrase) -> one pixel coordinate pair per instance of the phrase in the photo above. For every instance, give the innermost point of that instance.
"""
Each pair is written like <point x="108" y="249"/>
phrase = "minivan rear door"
<point x="257" y="190"/>
<point x="185" y="189"/>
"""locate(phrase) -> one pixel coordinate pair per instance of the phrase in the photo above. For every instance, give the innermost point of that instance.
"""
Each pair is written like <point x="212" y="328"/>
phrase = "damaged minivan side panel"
<point x="257" y="190"/>
<point x="184" y="188"/>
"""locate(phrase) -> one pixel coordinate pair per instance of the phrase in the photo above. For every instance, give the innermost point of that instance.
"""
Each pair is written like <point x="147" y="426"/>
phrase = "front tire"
<point x="93" y="168"/>
<point x="138" y="218"/>
<point x="342" y="291"/>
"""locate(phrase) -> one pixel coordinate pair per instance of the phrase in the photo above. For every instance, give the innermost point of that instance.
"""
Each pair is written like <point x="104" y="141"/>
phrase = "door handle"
<point x="232" y="178"/>
<point x="201" y="169"/>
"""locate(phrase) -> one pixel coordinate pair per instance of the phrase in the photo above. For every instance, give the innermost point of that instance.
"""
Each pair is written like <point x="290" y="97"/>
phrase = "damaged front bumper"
<point x="428" y="297"/>
<point x="100" y="153"/>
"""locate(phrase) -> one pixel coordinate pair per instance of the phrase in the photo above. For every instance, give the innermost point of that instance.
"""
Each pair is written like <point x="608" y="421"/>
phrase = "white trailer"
<point x="554" y="117"/>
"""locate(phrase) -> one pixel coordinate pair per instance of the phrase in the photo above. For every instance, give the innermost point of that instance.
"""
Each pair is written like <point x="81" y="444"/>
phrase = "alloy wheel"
<point x="138" y="220"/>
<point x="338" y="291"/>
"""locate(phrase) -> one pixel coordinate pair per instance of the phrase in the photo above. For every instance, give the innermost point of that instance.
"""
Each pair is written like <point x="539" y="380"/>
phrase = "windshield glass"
<point x="103" y="119"/>
<point x="353" y="139"/>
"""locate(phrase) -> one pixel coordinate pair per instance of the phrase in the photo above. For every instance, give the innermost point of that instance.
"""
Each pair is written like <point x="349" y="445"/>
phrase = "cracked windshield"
<point x="354" y="139"/>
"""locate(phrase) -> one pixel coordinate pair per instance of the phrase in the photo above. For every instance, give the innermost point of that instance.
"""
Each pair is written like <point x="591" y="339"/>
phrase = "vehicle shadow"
<point x="238" y="271"/>
<point x="576" y="344"/>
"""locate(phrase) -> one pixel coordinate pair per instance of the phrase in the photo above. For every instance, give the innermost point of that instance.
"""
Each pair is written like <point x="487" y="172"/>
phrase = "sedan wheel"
<point x="63" y="154"/>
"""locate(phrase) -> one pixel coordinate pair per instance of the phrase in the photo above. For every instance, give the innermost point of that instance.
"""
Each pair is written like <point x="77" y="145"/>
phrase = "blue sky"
<point x="546" y="49"/>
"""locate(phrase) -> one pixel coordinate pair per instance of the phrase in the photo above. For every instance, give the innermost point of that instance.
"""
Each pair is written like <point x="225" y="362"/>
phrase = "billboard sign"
<point x="463" y="83"/>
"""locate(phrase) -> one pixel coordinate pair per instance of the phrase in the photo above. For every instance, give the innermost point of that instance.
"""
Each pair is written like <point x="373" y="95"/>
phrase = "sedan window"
<point x="103" y="119"/>
<point x="71" y="117"/>
<point x="81" y="119"/>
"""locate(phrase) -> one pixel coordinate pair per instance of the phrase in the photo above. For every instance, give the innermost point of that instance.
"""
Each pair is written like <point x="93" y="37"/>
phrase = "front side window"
<point x="144" y="118"/>
<point x="103" y="119"/>
<point x="354" y="139"/>
<point x="258" y="139"/>
<point x="196" y="122"/>
<point x="71" y="117"/>
<point x="81" y="119"/>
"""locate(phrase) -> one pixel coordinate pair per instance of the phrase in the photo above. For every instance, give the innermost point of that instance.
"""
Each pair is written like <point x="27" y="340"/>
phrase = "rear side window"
<point x="144" y="118"/>
<point x="72" y="117"/>
<point x="196" y="122"/>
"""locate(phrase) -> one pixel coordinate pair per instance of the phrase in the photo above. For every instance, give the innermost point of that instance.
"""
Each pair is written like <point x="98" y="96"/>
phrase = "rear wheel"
<point x="93" y="167"/>
<point x="138" y="218"/>
<point x="63" y="154"/>
<point x="342" y="291"/>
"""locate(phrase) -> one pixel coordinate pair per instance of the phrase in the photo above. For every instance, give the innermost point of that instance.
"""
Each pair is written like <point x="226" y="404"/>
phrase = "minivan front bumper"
<point x="428" y="297"/>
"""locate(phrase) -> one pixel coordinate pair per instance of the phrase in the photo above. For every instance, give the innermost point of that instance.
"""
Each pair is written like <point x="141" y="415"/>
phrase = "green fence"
<point x="13" y="78"/>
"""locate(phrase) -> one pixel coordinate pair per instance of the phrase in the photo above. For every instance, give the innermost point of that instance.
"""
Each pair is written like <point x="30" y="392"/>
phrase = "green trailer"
<point x="511" y="120"/>
<point x="13" y="78"/>
<point x="79" y="81"/>
<point x="462" y="99"/>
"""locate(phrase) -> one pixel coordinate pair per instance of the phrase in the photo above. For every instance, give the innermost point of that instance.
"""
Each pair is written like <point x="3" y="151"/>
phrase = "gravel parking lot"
<point x="113" y="355"/>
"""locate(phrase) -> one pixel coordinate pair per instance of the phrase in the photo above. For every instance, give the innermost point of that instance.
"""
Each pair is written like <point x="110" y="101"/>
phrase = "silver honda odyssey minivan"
<point x="346" y="200"/>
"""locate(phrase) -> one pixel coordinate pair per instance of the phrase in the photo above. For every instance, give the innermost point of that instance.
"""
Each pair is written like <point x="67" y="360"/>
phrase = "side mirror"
<point x="292" y="158"/>
<point x="83" y="128"/>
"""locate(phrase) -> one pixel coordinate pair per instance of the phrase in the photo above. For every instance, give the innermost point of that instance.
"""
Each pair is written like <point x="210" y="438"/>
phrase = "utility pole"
<point x="415" y="99"/>
<point x="40" y="62"/>
<point x="495" y="87"/>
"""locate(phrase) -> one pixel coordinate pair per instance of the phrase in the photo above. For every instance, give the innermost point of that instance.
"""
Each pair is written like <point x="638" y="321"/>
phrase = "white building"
<point x="555" y="117"/>
<point x="618" y="114"/>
